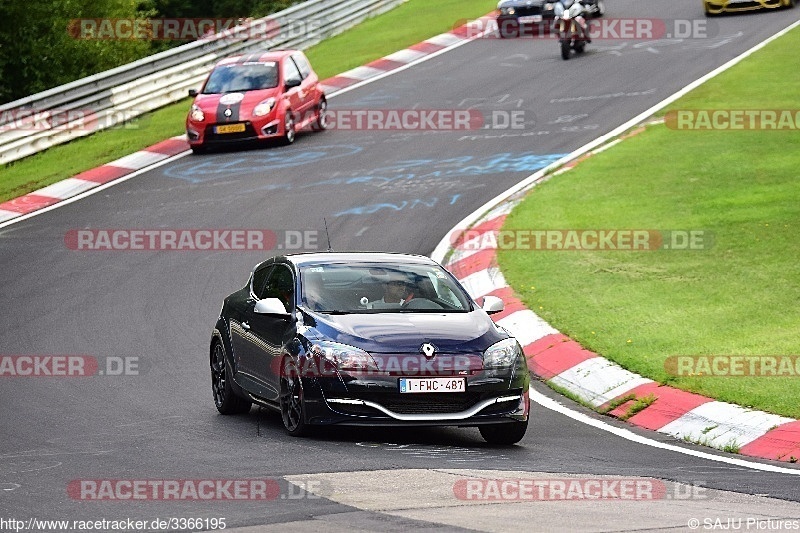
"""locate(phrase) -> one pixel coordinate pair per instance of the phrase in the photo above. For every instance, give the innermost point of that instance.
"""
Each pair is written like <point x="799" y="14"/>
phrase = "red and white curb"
<point x="597" y="381"/>
<point x="58" y="192"/>
<point x="70" y="187"/>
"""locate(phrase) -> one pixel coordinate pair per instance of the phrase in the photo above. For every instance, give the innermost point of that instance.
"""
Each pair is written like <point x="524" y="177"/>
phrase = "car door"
<point x="269" y="334"/>
<point x="244" y="342"/>
<point x="310" y="83"/>
<point x="296" y="96"/>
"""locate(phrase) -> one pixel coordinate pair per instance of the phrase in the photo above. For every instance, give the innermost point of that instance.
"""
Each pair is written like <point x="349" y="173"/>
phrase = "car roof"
<point x="315" y="258"/>
<point x="257" y="57"/>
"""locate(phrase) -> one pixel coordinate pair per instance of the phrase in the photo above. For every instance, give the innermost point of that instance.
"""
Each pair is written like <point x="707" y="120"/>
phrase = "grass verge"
<point x="410" y="23"/>
<point x="740" y="297"/>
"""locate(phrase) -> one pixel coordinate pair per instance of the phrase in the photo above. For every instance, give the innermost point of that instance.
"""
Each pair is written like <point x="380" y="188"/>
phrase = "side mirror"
<point x="292" y="83"/>
<point x="271" y="306"/>
<point x="492" y="304"/>
<point x="193" y="92"/>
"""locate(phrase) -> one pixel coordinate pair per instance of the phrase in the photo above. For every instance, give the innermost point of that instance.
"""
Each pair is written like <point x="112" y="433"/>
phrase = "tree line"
<point x="41" y="47"/>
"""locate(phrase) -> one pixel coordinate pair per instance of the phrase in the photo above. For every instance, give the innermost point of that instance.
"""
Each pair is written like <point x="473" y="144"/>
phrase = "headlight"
<point x="549" y="7"/>
<point x="511" y="11"/>
<point x="345" y="357"/>
<point x="264" y="107"/>
<point x="501" y="354"/>
<point x="197" y="114"/>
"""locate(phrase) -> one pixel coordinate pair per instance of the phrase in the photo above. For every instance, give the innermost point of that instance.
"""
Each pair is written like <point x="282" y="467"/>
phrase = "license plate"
<point x="532" y="18"/>
<point x="229" y="128"/>
<point x="433" y="385"/>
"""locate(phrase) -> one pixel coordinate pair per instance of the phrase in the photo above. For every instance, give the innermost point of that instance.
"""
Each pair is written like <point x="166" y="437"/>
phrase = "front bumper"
<point x="203" y="133"/>
<point x="716" y="7"/>
<point x="491" y="396"/>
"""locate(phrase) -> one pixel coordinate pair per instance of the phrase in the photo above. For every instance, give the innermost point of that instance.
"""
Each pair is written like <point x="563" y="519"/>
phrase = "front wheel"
<point x="293" y="408"/>
<point x="508" y="433"/>
<point x="565" y="46"/>
<point x="288" y="128"/>
<point x="224" y="398"/>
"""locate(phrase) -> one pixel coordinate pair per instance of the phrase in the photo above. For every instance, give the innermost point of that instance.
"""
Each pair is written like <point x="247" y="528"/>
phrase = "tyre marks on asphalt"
<point x="448" y="454"/>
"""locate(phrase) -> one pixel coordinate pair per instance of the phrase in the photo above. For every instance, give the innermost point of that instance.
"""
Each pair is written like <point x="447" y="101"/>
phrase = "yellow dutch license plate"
<point x="229" y="128"/>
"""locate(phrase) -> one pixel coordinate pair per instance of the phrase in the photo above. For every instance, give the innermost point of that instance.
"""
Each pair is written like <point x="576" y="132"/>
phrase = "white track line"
<point x="553" y="405"/>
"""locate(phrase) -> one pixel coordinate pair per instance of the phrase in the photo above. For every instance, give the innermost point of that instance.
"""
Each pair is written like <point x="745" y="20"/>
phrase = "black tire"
<point x="226" y="400"/>
<point x="580" y="46"/>
<point x="790" y="4"/>
<point x="289" y="132"/>
<point x="292" y="402"/>
<point x="321" y="124"/>
<point x="506" y="434"/>
<point x="198" y="149"/>
<point x="565" y="49"/>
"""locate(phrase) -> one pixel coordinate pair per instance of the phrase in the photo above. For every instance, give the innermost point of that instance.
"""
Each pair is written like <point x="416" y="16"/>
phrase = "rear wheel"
<point x="199" y="149"/>
<point x="224" y="398"/>
<point x="322" y="116"/>
<point x="508" y="433"/>
<point x="293" y="409"/>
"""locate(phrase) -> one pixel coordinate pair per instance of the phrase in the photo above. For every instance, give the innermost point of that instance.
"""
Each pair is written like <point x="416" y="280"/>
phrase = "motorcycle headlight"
<point x="197" y="114"/>
<point x="264" y="107"/>
<point x="501" y="354"/>
<point x="343" y="356"/>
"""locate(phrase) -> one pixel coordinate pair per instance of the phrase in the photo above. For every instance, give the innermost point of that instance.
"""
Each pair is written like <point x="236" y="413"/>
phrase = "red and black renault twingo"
<point x="256" y="97"/>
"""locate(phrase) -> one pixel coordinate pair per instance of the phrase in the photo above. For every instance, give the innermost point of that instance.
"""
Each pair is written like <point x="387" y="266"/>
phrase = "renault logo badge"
<point x="228" y="112"/>
<point x="429" y="350"/>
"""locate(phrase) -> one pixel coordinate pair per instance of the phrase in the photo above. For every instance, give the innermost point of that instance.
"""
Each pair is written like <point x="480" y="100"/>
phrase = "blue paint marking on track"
<point x="212" y="168"/>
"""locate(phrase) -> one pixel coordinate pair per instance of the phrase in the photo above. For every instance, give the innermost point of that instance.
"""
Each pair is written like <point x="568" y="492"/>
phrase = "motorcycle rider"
<point x="577" y="10"/>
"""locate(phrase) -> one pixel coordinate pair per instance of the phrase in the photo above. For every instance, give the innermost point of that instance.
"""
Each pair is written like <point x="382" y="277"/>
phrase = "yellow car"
<point x="715" y="7"/>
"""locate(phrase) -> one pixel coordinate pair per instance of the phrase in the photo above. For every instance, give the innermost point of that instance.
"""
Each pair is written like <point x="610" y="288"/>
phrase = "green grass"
<point x="740" y="297"/>
<point x="412" y="22"/>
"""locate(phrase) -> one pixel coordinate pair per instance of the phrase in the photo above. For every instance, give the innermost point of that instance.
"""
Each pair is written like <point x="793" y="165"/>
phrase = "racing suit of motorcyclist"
<point x="577" y="10"/>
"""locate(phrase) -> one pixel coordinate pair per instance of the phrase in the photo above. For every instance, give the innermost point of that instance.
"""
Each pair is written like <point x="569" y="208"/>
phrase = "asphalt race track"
<point x="378" y="190"/>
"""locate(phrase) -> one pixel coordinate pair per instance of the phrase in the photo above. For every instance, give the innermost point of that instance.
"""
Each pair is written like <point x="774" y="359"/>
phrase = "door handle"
<point x="245" y="326"/>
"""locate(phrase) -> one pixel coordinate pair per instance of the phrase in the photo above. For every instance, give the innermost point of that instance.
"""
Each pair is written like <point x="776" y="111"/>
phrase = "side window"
<point x="290" y="71"/>
<point x="259" y="279"/>
<point x="302" y="65"/>
<point x="280" y="285"/>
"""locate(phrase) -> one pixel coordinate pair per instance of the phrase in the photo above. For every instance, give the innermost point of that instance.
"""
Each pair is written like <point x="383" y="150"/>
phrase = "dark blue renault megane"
<point x="367" y="339"/>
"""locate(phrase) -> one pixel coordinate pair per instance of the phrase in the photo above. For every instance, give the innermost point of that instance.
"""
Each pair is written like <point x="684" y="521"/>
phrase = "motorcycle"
<point x="569" y="26"/>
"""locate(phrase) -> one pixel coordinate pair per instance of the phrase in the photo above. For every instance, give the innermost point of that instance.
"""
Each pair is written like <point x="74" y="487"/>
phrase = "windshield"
<point x="242" y="77"/>
<point x="381" y="288"/>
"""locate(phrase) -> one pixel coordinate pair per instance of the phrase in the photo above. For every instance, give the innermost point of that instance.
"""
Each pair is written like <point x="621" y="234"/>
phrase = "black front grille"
<point x="423" y="403"/>
<point x="527" y="11"/>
